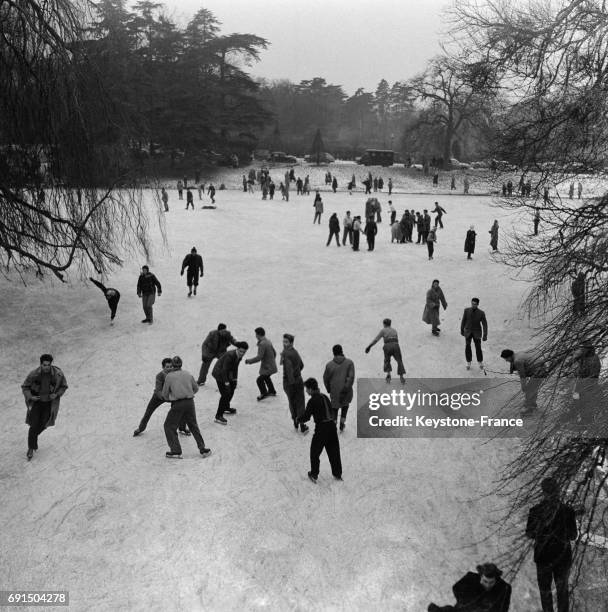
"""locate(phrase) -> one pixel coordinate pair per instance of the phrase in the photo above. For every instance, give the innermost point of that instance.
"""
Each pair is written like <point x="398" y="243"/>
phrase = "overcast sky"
<point x="353" y="43"/>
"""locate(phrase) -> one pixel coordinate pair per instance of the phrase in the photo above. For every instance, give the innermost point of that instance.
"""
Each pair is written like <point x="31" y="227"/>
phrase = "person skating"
<point x="552" y="526"/>
<point x="147" y="286"/>
<point x="189" y="199"/>
<point x="419" y="227"/>
<point x="338" y="378"/>
<point x="484" y="591"/>
<point x="112" y="296"/>
<point x="164" y="196"/>
<point x="157" y="399"/>
<point x="347" y="224"/>
<point x="318" y="206"/>
<point x="325" y="435"/>
<point x="578" y="294"/>
<point x="431" y="239"/>
<point x="426" y="225"/>
<point x="42" y="389"/>
<point x="390" y="186"/>
<point x="440" y="212"/>
<point x="536" y="220"/>
<point x="211" y="193"/>
<point x="334" y="184"/>
<point x="356" y="232"/>
<point x="370" y="231"/>
<point x="267" y="357"/>
<point x="180" y="190"/>
<point x="532" y="371"/>
<point x="469" y="242"/>
<point x="293" y="385"/>
<point x="225" y="372"/>
<point x="179" y="389"/>
<point x="494" y="235"/>
<point x="334" y="229"/>
<point x="390" y="348"/>
<point x="474" y="327"/>
<point x="194" y="264"/>
<point x="392" y="210"/>
<point x="434" y="299"/>
<point x="214" y="346"/>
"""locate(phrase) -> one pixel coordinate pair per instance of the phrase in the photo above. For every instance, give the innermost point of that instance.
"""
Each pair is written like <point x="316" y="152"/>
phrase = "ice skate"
<point x="194" y="290"/>
<point x="295" y="424"/>
<point x="185" y="432"/>
<point x="468" y="365"/>
<point x="221" y="420"/>
<point x="189" y="293"/>
<point x="402" y="378"/>
<point x="229" y="410"/>
<point x="339" y="478"/>
<point x="388" y="378"/>
<point x="137" y="432"/>
<point x="481" y="366"/>
<point x="263" y="396"/>
<point x="342" y="426"/>
<point x="312" y="477"/>
<point x="30" y="453"/>
<point x="205" y="452"/>
<point x="435" y="333"/>
<point x="304" y="429"/>
<point x="172" y="455"/>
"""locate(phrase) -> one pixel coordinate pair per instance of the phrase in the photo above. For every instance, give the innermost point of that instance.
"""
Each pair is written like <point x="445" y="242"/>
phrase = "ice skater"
<point x="179" y="389"/>
<point x="325" y="435"/>
<point x="552" y="526"/>
<point x="42" y="389"/>
<point x="147" y="286"/>
<point x="293" y="385"/>
<point x="189" y="199"/>
<point x="164" y="196"/>
<point x="431" y="239"/>
<point x="194" y="263"/>
<point x="494" y="235"/>
<point x="440" y="212"/>
<point x="370" y="231"/>
<point x="318" y="206"/>
<point x="214" y="346"/>
<point x="112" y="296"/>
<point x="157" y="399"/>
<point x="532" y="372"/>
<point x="356" y="232"/>
<point x="226" y="372"/>
<point x="391" y="348"/>
<point x="484" y="591"/>
<point x="338" y="378"/>
<point x="267" y="358"/>
<point x="474" y="327"/>
<point x="469" y="242"/>
<point x="434" y="299"/>
<point x="334" y="229"/>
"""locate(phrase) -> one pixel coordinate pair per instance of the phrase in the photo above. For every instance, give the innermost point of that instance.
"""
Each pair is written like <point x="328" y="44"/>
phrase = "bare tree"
<point x="552" y="59"/>
<point x="67" y="196"/>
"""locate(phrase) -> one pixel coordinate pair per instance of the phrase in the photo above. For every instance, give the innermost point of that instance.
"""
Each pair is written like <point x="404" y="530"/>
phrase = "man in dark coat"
<point x="267" y="357"/>
<point x="419" y="228"/>
<point x="112" y="295"/>
<point x="179" y="388"/>
<point x="474" y="327"/>
<point x="338" y="378"/>
<point x="293" y="385"/>
<point x="326" y="435"/>
<point x="194" y="263"/>
<point x="531" y="369"/>
<point x="147" y="285"/>
<point x="469" y="242"/>
<point x="578" y="294"/>
<point x="189" y="199"/>
<point x="484" y="591"/>
<point x="426" y="225"/>
<point x="334" y="229"/>
<point x="157" y="399"/>
<point x="356" y="232"/>
<point x="42" y="389"/>
<point x="226" y="372"/>
<point x="214" y="346"/>
<point x="370" y="231"/>
<point x="552" y="525"/>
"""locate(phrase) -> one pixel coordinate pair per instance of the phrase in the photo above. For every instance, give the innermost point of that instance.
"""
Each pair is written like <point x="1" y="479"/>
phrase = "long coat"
<point x="338" y="379"/>
<point x="494" y="236"/>
<point x="434" y="296"/>
<point x="469" y="242"/>
<point x="31" y="386"/>
<point x="267" y="357"/>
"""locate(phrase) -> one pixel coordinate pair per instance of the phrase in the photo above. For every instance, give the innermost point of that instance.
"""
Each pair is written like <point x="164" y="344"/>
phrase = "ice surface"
<point x="107" y="517"/>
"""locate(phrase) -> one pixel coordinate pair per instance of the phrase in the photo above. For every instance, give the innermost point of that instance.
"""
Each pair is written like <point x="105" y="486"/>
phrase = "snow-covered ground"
<point x="107" y="517"/>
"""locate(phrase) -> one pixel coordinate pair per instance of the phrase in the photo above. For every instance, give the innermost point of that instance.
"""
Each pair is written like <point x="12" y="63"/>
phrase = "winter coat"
<point x="426" y="222"/>
<point x="552" y="526"/>
<point x="148" y="283"/>
<point x="318" y="205"/>
<point x="31" y="386"/>
<point x="471" y="596"/>
<point x="292" y="366"/>
<point x="338" y="379"/>
<point x="267" y="357"/>
<point x="474" y="322"/>
<point x="434" y="297"/>
<point x="193" y="262"/>
<point x="334" y="224"/>
<point x="216" y="343"/>
<point x="226" y="369"/>
<point x="469" y="242"/>
<point x="494" y="236"/>
<point x="371" y="229"/>
<point x="528" y="365"/>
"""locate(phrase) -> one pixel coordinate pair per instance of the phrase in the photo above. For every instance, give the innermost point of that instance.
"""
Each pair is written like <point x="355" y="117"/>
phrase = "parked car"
<point x="454" y="163"/>
<point x="278" y="157"/>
